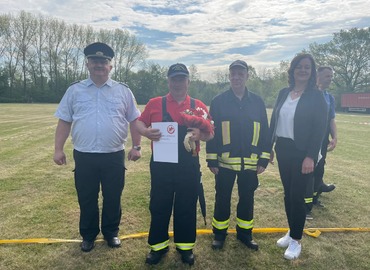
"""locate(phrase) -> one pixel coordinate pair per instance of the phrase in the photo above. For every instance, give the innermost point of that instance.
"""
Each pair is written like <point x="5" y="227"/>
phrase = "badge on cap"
<point x="99" y="50"/>
<point x="177" y="69"/>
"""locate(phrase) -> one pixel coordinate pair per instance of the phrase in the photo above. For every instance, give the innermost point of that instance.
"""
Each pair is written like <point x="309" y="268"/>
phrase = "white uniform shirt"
<point x="99" y="116"/>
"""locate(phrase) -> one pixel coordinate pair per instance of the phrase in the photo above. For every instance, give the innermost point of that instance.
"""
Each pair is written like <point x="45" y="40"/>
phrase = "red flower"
<point x="198" y="118"/>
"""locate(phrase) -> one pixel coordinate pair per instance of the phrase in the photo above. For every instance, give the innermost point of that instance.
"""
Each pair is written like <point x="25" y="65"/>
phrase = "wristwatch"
<point x="137" y="147"/>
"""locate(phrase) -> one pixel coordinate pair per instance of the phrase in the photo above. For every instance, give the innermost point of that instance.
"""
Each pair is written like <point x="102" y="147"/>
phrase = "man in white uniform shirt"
<point x="98" y="111"/>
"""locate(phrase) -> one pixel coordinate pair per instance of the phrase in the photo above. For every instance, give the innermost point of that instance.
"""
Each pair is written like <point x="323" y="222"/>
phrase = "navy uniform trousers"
<point x="92" y="171"/>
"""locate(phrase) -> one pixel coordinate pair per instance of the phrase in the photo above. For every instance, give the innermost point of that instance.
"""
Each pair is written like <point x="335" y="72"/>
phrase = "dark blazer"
<point x="309" y="120"/>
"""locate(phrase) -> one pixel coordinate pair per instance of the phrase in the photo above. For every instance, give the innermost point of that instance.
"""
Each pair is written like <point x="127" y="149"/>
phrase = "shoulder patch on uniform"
<point x="74" y="83"/>
<point x="124" y="84"/>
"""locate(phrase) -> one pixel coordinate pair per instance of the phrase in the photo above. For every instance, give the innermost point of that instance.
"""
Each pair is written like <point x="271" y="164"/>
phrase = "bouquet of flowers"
<point x="196" y="118"/>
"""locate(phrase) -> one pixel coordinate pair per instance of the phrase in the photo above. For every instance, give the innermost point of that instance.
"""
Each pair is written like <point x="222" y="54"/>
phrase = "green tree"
<point x="148" y="83"/>
<point x="348" y="53"/>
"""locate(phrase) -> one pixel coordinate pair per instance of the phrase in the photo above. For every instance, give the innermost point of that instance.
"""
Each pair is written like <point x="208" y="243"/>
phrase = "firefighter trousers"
<point x="247" y="181"/>
<point x="174" y="186"/>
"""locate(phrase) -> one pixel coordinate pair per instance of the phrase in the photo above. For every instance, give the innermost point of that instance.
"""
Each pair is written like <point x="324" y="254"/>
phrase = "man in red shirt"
<point x="174" y="185"/>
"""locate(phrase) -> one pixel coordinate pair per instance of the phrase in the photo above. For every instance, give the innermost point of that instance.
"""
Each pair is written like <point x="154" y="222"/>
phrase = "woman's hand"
<point x="308" y="165"/>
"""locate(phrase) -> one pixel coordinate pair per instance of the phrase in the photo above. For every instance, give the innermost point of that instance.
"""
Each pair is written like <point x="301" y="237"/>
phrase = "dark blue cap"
<point x="99" y="50"/>
<point x="239" y="63"/>
<point x="177" y="69"/>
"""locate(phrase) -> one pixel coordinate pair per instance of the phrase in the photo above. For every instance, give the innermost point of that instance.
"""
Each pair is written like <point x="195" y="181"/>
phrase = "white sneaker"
<point x="293" y="250"/>
<point x="284" y="241"/>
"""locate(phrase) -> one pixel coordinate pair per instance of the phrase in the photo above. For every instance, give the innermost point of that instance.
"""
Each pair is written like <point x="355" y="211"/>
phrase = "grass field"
<point x="38" y="200"/>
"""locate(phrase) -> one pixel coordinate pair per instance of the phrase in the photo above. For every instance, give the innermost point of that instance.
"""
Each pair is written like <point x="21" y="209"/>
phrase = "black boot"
<point x="154" y="257"/>
<point x="327" y="188"/>
<point x="219" y="240"/>
<point x="187" y="256"/>
<point x="248" y="241"/>
<point x="245" y="236"/>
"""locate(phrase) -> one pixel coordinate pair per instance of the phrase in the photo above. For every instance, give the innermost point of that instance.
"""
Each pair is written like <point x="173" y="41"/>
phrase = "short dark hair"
<point x="312" y="81"/>
<point x="322" y="68"/>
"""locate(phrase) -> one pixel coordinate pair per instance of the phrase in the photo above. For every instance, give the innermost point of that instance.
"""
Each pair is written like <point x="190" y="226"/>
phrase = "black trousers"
<point x="317" y="179"/>
<point x="295" y="183"/>
<point x="247" y="183"/>
<point x="320" y="167"/>
<point x="92" y="171"/>
<point x="173" y="187"/>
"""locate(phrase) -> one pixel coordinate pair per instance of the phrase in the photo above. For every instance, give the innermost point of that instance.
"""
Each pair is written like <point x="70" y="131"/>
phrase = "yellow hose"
<point x="314" y="232"/>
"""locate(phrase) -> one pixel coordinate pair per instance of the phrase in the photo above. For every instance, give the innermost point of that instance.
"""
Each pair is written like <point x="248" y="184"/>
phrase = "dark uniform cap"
<point x="177" y="69"/>
<point x="239" y="63"/>
<point x="99" y="50"/>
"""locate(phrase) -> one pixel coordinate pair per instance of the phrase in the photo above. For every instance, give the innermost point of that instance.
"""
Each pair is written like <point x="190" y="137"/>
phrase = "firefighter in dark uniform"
<point x="240" y="149"/>
<point x="173" y="185"/>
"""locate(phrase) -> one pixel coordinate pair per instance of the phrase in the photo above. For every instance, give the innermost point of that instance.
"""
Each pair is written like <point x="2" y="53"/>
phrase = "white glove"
<point x="189" y="144"/>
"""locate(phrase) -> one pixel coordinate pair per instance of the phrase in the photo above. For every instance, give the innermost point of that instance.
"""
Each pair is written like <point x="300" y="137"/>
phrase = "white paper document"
<point x="166" y="149"/>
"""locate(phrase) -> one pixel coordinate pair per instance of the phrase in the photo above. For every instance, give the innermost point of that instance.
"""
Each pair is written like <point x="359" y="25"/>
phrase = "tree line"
<point x="41" y="56"/>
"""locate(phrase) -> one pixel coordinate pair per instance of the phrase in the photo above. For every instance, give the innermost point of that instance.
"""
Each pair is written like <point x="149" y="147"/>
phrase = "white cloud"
<point x="213" y="28"/>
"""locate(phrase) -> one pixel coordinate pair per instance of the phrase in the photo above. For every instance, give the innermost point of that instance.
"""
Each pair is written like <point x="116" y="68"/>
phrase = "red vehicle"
<point x="356" y="102"/>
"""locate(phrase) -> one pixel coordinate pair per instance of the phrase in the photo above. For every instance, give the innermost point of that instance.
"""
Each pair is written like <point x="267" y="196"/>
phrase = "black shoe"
<point x="248" y="242"/>
<point x="154" y="257"/>
<point x="318" y="203"/>
<point x="113" y="242"/>
<point x="218" y="244"/>
<point x="327" y="188"/>
<point x="187" y="256"/>
<point x="87" y="246"/>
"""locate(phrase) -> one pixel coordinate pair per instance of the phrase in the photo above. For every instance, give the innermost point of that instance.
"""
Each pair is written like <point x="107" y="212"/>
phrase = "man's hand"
<point x="134" y="154"/>
<point x="214" y="170"/>
<point x="260" y="169"/>
<point x="272" y="156"/>
<point x="153" y="134"/>
<point x="332" y="144"/>
<point x="60" y="158"/>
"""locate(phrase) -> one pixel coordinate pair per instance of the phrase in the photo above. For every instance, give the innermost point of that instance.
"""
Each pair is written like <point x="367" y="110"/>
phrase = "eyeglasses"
<point x="99" y="61"/>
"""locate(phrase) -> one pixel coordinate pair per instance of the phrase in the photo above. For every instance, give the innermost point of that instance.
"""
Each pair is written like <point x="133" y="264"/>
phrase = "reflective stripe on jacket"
<point x="241" y="132"/>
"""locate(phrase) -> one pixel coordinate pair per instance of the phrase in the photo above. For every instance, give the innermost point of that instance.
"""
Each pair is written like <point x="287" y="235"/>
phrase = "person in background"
<point x="240" y="150"/>
<point x="324" y="79"/>
<point x="297" y="128"/>
<point x="174" y="186"/>
<point x="98" y="111"/>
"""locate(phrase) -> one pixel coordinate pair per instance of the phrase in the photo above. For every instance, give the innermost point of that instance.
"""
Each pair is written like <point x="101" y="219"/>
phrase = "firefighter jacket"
<point x="241" y="140"/>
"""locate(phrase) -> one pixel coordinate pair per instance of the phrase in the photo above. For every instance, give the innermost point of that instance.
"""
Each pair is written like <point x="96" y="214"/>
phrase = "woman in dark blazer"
<point x="297" y="128"/>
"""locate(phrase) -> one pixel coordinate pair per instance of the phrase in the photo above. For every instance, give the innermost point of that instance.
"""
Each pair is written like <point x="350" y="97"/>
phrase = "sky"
<point x="210" y="34"/>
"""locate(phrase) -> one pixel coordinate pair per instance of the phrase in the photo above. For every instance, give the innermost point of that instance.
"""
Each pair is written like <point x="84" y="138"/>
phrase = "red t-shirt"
<point x="153" y="110"/>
